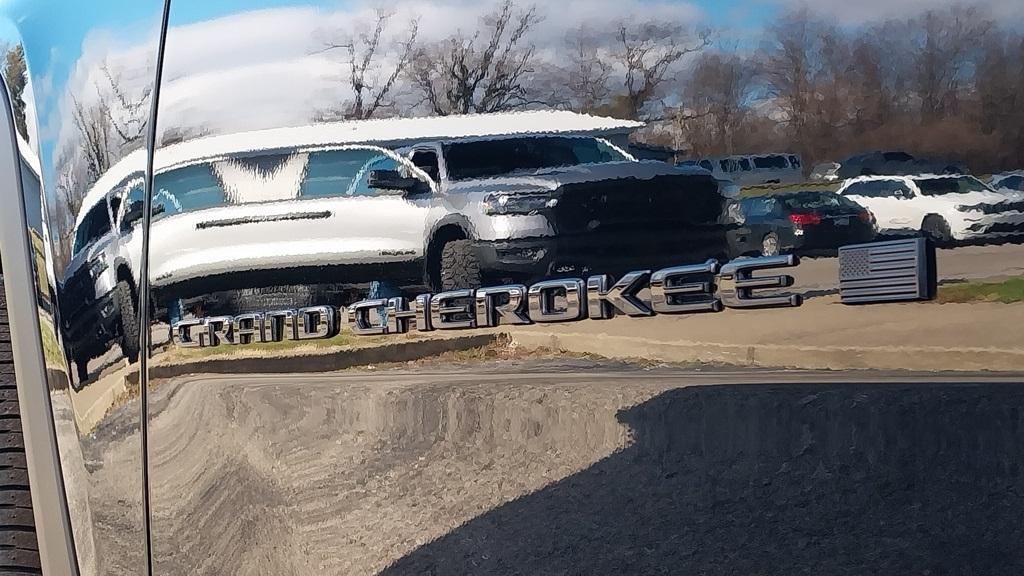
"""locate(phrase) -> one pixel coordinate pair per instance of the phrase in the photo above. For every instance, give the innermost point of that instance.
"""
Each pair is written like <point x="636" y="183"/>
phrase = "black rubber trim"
<point x="19" y="549"/>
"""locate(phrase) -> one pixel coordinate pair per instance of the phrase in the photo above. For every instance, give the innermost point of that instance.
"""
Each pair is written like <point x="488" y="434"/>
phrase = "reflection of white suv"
<point x="945" y="208"/>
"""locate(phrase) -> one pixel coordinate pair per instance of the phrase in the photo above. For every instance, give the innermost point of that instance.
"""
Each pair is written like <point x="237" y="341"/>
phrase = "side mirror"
<point x="392" y="180"/>
<point x="134" y="213"/>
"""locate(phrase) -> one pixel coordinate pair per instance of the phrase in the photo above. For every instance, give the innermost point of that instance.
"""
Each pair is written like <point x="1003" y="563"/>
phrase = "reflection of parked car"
<point x="441" y="213"/>
<point x="99" y="286"/>
<point x="824" y="172"/>
<point x="891" y="163"/>
<point x="754" y="169"/>
<point x="943" y="207"/>
<point x="1011" y="181"/>
<point x="802" y="222"/>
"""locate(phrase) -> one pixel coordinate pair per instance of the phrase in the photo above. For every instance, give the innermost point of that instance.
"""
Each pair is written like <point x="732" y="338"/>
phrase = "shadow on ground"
<point x="796" y="479"/>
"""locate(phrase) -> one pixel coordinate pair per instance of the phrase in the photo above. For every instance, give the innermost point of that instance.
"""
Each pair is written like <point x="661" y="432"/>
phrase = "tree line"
<point x="948" y="82"/>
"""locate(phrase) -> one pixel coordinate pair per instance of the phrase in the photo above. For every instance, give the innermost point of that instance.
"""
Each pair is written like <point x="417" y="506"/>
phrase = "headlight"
<point x="966" y="208"/>
<point x="518" y="203"/>
<point x="98" y="265"/>
<point x="728" y="189"/>
<point x="733" y="213"/>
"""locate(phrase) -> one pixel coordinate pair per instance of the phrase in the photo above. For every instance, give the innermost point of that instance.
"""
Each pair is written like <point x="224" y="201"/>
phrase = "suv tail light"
<point x="866" y="216"/>
<point x="805" y="219"/>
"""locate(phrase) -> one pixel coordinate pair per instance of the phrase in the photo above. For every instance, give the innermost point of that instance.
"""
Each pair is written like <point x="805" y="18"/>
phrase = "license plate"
<point x="842" y="221"/>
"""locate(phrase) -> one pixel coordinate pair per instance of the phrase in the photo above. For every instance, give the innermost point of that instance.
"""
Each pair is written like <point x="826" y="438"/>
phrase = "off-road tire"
<point x="769" y="238"/>
<point x="460" y="267"/>
<point x="936" y="229"/>
<point x="129" y="321"/>
<point x="19" y="550"/>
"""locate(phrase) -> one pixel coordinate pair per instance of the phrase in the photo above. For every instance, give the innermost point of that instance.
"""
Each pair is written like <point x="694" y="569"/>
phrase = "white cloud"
<point x="267" y="68"/>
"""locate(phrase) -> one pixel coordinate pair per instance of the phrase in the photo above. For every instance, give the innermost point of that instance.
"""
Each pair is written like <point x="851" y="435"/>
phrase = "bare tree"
<point x="486" y="72"/>
<point x="131" y="115"/>
<point x="93" y="125"/>
<point x="944" y="43"/>
<point x="999" y="84"/>
<point x="649" y="52"/>
<point x="71" y="185"/>
<point x="787" y="66"/>
<point x="587" y="77"/>
<point x="371" y="84"/>
<point x="717" y="97"/>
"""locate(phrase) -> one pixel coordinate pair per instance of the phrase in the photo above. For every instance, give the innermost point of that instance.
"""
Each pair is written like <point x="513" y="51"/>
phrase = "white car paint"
<point x="970" y="215"/>
<point x="289" y="231"/>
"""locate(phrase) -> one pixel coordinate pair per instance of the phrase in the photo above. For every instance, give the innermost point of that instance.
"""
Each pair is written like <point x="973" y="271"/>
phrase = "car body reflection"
<point x="266" y="278"/>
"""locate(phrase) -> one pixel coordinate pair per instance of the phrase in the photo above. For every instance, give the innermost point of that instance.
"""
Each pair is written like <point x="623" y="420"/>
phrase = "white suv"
<point x="946" y="208"/>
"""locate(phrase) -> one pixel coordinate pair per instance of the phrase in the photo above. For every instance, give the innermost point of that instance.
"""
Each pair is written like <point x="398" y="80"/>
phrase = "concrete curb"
<point x="928" y="358"/>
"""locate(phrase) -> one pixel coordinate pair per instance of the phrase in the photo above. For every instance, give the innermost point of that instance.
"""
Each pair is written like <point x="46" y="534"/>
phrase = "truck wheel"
<point x="937" y="230"/>
<point x="129" y="321"/>
<point x="19" y="550"/>
<point x="460" y="268"/>
<point x="770" y="244"/>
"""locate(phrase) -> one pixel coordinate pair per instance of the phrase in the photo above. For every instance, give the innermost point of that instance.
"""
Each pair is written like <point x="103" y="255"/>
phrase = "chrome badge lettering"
<point x="706" y="287"/>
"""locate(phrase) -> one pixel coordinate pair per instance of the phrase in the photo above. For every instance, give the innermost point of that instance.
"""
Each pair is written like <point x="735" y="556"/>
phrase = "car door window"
<point x="426" y="160"/>
<point x="880" y="189"/>
<point x="1013" y="183"/>
<point x="335" y="172"/>
<point x="135" y="194"/>
<point x="858" y="189"/>
<point x="745" y="165"/>
<point x="758" y="207"/>
<point x="361" y="187"/>
<point x="93" y="227"/>
<point x="770" y="162"/>
<point x="186" y="189"/>
<point x="898" y="190"/>
<point x="706" y="164"/>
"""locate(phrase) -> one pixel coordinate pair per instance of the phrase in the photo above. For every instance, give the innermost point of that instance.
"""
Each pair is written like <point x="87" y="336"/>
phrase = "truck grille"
<point x="77" y="295"/>
<point x="665" y="202"/>
<point x="669" y="219"/>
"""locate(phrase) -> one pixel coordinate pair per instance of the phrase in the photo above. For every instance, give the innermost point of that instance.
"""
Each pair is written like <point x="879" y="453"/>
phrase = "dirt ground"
<point x="571" y="466"/>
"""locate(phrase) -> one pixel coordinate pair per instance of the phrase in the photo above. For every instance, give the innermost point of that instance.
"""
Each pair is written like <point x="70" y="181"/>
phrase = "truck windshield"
<point x="490" y="158"/>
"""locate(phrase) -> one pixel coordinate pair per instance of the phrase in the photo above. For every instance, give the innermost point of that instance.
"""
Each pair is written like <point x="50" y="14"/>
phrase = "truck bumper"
<point x="535" y="258"/>
<point x="94" y="327"/>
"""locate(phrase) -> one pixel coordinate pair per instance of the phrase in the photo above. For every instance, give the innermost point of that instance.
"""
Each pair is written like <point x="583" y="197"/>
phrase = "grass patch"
<point x="175" y="354"/>
<point x="51" y="348"/>
<point x="1007" y="291"/>
<point x="769" y="189"/>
